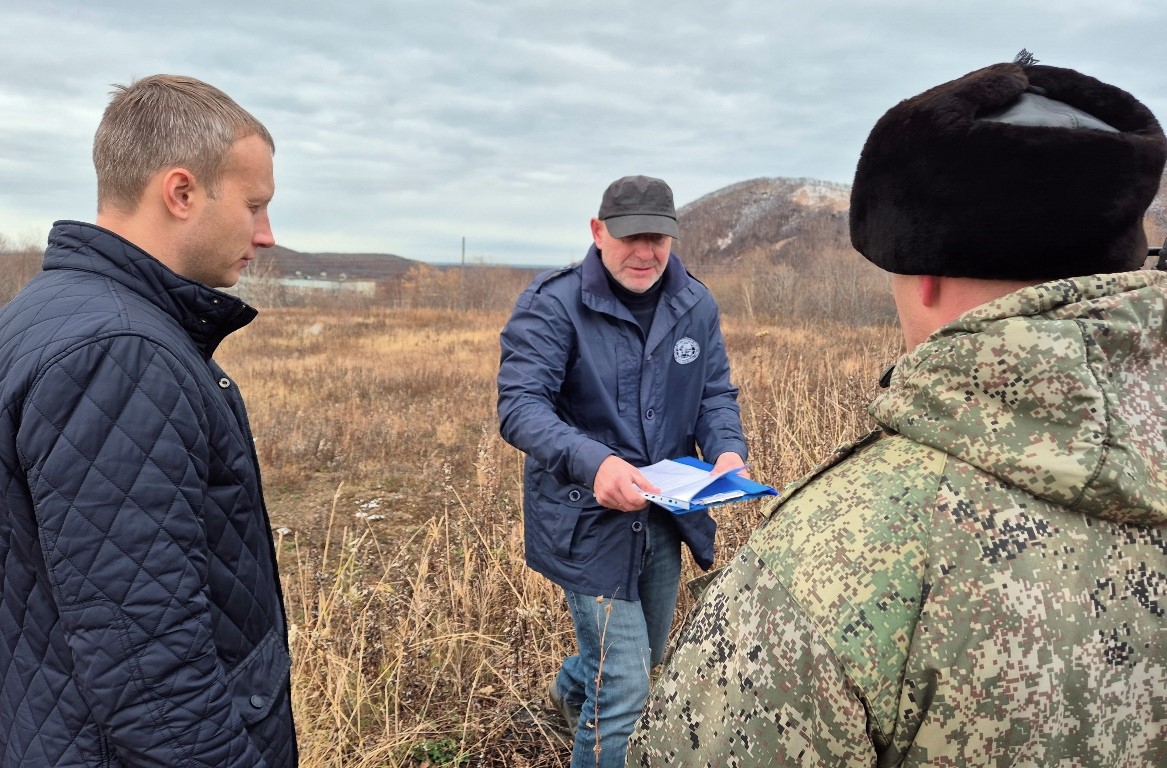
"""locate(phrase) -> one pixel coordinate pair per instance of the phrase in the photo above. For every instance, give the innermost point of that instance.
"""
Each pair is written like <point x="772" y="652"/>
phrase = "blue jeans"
<point x="619" y="643"/>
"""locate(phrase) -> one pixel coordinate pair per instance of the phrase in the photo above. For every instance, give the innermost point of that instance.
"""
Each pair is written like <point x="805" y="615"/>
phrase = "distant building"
<point x="316" y="284"/>
<point x="266" y="290"/>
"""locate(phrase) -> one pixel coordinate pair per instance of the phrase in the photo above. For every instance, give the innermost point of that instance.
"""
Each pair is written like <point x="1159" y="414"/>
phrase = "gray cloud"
<point x="404" y="126"/>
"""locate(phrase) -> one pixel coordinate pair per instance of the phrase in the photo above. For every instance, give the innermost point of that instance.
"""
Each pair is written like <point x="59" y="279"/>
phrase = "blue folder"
<point x="727" y="483"/>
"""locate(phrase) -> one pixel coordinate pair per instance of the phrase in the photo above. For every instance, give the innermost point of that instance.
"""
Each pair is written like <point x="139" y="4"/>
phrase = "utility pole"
<point x="462" y="275"/>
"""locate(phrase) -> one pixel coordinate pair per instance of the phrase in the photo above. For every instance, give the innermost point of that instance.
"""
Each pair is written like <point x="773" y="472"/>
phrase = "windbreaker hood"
<point x="1059" y="389"/>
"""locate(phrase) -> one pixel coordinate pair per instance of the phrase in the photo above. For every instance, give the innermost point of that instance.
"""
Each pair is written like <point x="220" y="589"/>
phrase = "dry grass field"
<point x="419" y="636"/>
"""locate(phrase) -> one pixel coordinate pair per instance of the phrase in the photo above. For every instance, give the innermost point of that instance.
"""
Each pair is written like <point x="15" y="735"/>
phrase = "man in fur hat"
<point x="983" y="580"/>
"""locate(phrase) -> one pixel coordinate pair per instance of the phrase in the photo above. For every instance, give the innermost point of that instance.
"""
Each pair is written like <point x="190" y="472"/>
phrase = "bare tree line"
<point x="18" y="264"/>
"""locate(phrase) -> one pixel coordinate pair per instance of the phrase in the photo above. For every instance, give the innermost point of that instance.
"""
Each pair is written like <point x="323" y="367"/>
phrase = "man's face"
<point x="636" y="261"/>
<point x="231" y="225"/>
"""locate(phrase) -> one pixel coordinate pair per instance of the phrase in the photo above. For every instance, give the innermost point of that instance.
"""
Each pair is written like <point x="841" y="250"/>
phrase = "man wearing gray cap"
<point x="608" y="365"/>
<point x="983" y="580"/>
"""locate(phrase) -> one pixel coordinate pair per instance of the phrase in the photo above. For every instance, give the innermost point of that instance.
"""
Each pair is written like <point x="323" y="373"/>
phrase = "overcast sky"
<point x="403" y="126"/>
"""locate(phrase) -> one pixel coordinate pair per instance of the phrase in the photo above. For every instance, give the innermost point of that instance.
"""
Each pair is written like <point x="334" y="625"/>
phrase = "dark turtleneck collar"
<point x="641" y="305"/>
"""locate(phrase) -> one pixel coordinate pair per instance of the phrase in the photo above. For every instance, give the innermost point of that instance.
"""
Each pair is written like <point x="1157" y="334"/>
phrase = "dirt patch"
<point x="325" y="502"/>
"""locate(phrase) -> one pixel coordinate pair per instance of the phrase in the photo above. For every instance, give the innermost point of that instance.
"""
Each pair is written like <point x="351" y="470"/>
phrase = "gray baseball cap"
<point x="637" y="205"/>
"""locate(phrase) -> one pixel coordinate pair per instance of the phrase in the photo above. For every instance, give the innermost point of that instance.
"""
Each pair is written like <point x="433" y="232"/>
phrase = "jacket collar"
<point x="597" y="294"/>
<point x="1055" y="389"/>
<point x="206" y="314"/>
<point x="595" y="281"/>
<point x="676" y="297"/>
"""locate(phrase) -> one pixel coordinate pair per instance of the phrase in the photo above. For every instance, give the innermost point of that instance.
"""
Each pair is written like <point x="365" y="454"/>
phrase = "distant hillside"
<point x="781" y="220"/>
<point x="354" y="266"/>
<point x="791" y="220"/>
<point x="797" y="217"/>
<point x="763" y="217"/>
<point x="1156" y="219"/>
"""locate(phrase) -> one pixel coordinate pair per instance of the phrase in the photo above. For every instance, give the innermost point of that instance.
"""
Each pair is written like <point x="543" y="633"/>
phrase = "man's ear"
<point x="597" y="229"/>
<point x="180" y="191"/>
<point x="928" y="287"/>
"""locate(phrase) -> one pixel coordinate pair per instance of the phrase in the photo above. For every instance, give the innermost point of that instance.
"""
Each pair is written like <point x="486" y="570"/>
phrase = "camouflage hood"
<point x="1059" y="389"/>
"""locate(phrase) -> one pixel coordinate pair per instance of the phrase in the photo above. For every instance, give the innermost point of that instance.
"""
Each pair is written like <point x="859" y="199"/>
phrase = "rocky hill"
<point x="1156" y="220"/>
<point x="790" y="220"/>
<point x="764" y="218"/>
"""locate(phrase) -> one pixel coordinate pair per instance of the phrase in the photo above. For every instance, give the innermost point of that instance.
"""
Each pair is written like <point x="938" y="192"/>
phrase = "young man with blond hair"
<point x="141" y="621"/>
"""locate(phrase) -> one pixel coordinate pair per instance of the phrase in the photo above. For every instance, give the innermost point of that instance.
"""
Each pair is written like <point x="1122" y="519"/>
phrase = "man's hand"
<point x="729" y="460"/>
<point x="614" y="489"/>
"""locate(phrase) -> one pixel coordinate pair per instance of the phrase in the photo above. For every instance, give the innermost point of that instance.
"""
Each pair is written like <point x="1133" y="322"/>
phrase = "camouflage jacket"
<point x="984" y="583"/>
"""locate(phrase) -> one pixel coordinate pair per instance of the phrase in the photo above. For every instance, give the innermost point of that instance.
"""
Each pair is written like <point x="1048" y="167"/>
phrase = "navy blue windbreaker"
<point x="578" y="382"/>
<point x="141" y="620"/>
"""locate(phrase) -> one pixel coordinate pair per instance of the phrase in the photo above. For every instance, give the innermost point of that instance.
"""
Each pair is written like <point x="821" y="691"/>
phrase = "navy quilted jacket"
<point x="140" y="608"/>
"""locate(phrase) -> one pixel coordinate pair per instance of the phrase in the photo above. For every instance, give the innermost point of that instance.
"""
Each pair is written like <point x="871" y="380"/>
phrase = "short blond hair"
<point x="161" y="122"/>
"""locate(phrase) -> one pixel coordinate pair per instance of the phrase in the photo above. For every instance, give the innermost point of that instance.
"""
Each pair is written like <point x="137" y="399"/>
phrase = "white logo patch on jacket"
<point x="686" y="350"/>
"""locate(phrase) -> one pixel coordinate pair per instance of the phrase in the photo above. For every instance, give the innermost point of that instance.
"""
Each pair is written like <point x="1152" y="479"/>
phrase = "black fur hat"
<point x="1015" y="171"/>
